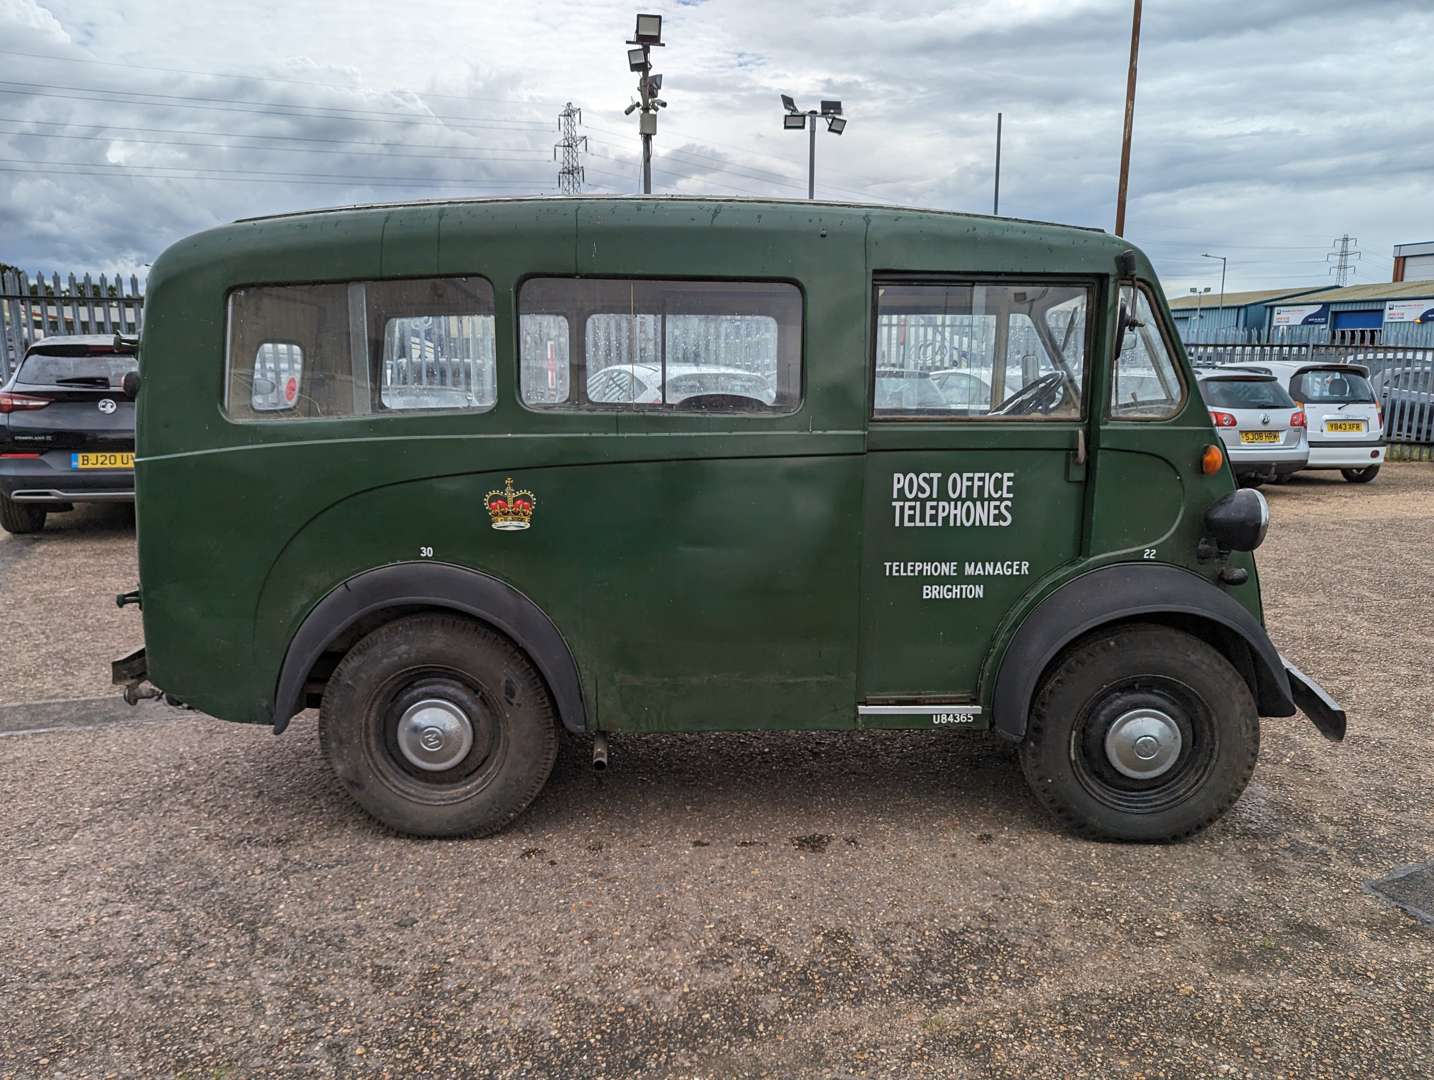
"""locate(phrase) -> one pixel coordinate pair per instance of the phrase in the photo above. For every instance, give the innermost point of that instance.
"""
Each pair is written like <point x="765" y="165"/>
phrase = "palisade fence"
<point x="35" y="309"/>
<point x="1402" y="376"/>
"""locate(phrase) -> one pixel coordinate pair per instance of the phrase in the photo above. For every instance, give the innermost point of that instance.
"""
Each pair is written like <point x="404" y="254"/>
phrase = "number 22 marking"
<point x="1149" y="553"/>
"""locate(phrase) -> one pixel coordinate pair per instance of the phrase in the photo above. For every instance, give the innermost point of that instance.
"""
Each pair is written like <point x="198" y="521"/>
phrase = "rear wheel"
<point x="439" y="726"/>
<point x="1360" y="476"/>
<point x="18" y="518"/>
<point x="1141" y="733"/>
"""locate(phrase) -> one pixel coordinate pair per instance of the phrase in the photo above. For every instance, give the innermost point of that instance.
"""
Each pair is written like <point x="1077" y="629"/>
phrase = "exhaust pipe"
<point x="599" y="751"/>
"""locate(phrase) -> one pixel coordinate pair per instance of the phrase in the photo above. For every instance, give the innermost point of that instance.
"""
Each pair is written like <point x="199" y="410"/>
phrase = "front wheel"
<point x="439" y="726"/>
<point x="1141" y="733"/>
<point x="1360" y="476"/>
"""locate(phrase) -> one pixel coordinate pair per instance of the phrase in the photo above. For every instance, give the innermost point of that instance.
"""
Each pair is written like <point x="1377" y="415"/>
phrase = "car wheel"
<point x="439" y="726"/>
<point x="1141" y="733"/>
<point x="1360" y="476"/>
<point x="18" y="518"/>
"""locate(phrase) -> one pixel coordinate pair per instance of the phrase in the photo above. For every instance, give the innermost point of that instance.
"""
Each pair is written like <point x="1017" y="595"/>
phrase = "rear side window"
<point x="1245" y="394"/>
<point x="685" y="346"/>
<point x="1331" y="387"/>
<point x="971" y="350"/>
<point x="103" y="372"/>
<point x="1145" y="383"/>
<point x="361" y="348"/>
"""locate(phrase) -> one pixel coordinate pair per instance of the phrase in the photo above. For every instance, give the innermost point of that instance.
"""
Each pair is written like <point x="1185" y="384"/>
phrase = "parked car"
<point x="1343" y="420"/>
<point x="906" y="388"/>
<point x="66" y="430"/>
<point x="1261" y="426"/>
<point x="642" y="384"/>
<point x="1406" y="395"/>
<point x="963" y="390"/>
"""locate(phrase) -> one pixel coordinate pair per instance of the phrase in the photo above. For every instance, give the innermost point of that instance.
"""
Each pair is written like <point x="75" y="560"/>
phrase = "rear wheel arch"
<point x="376" y="597"/>
<point x="1134" y="593"/>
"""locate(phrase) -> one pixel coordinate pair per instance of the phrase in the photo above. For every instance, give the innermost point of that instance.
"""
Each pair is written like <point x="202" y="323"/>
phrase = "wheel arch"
<point x="1130" y="592"/>
<point x="374" y="597"/>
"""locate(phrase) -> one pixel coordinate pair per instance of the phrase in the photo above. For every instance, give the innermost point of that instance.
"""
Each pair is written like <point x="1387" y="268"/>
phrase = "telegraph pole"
<point x="570" y="171"/>
<point x="996" y="198"/>
<point x="1343" y="257"/>
<point x="647" y="35"/>
<point x="1129" y="123"/>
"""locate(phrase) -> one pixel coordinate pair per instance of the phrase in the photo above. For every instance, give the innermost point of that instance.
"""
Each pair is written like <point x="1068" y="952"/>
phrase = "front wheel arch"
<point x="369" y="599"/>
<point x="1132" y="592"/>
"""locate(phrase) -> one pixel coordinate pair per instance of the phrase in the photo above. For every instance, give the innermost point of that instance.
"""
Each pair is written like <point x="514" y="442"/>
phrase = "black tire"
<point x="463" y="665"/>
<point x="1249" y="481"/>
<point x="19" y="518"/>
<point x="1101" y="685"/>
<point x="1360" y="476"/>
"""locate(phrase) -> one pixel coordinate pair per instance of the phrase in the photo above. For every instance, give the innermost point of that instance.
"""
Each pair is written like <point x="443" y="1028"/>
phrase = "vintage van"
<point x="462" y="474"/>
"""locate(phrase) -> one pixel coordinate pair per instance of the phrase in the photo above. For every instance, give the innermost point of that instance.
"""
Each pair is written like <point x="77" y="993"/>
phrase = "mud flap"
<point x="1312" y="700"/>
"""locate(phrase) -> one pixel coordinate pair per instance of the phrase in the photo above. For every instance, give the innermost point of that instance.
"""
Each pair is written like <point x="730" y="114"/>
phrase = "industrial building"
<point x="1414" y="262"/>
<point x="1234" y="317"/>
<point x="1393" y="312"/>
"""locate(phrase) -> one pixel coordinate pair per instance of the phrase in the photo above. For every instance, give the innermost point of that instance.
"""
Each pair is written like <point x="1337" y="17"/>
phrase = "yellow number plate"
<point x="102" y="461"/>
<point x="1259" y="436"/>
<point x="1344" y="425"/>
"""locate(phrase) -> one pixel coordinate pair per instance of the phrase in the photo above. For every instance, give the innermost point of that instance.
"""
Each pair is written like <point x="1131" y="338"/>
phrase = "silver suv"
<point x="1261" y="426"/>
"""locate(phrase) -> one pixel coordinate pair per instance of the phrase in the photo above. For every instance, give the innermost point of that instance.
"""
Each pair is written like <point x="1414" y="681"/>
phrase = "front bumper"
<point x="1310" y="698"/>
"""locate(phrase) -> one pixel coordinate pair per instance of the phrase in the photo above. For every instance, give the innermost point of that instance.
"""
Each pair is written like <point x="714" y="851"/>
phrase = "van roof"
<point x="703" y="200"/>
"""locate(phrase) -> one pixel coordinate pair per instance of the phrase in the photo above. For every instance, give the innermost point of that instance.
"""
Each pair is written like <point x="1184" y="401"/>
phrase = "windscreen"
<point x="1331" y="387"/>
<point x="1245" y="394"/>
<point x="103" y="371"/>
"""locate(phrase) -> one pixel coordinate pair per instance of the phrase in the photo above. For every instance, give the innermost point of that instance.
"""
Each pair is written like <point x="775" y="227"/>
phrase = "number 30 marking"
<point x="425" y="553"/>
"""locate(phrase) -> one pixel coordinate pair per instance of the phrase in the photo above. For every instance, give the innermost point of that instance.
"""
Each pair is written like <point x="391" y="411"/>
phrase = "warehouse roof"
<point x="1389" y="290"/>
<point x="1211" y="301"/>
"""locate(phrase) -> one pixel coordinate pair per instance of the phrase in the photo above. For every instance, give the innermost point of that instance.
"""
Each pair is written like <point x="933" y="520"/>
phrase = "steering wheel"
<point x="1040" y="396"/>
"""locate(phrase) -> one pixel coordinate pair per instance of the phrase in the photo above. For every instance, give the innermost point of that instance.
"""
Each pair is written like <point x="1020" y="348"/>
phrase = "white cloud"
<point x="1263" y="127"/>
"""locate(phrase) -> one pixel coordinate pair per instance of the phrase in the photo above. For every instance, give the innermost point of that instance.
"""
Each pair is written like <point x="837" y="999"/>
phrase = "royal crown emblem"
<point x="510" y="509"/>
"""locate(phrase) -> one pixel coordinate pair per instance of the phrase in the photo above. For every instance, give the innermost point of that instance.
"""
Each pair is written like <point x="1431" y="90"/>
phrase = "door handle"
<point x="1080" y="446"/>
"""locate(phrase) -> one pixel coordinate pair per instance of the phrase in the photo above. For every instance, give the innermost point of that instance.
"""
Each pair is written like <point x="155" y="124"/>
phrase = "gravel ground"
<point x="183" y="896"/>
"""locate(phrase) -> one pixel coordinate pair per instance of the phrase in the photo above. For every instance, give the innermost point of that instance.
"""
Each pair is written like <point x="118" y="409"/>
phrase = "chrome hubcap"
<point x="1143" y="744"/>
<point x="435" y="734"/>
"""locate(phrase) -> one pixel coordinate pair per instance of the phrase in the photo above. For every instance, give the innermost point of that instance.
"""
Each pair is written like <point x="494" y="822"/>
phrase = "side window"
<point x="688" y="346"/>
<point x="1146" y="383"/>
<point x="434" y="341"/>
<point x="975" y="350"/>
<point x="354" y="349"/>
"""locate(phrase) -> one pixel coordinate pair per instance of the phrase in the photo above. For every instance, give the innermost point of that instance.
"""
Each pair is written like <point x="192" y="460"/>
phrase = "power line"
<point x="287" y="176"/>
<point x="276" y="149"/>
<point x="283" y="138"/>
<point x="260" y="78"/>
<point x="238" y="106"/>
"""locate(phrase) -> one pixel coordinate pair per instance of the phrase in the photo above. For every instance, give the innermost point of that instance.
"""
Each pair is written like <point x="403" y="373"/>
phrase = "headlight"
<point x="1239" y="521"/>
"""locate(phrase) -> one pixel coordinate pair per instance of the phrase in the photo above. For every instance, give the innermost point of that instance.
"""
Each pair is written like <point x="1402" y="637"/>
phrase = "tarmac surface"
<point x="183" y="896"/>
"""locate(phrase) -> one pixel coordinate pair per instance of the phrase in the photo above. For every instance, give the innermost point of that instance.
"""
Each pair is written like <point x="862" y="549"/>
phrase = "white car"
<point x="642" y="384"/>
<point x="962" y="389"/>
<point x="1343" y="417"/>
<point x="1262" y="428"/>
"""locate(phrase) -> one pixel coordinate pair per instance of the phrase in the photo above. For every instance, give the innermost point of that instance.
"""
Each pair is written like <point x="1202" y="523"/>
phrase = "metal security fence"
<point x="31" y="309"/>
<point x="1402" y="377"/>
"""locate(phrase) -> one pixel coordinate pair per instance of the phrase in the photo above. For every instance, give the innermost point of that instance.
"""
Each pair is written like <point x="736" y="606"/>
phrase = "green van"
<point x="461" y="474"/>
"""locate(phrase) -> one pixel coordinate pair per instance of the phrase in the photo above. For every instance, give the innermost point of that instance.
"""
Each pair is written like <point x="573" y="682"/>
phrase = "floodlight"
<point x="654" y="83"/>
<point x="794" y="121"/>
<point x="788" y="103"/>
<point x="637" y="59"/>
<point x="831" y="108"/>
<point x="836" y="124"/>
<point x="649" y="30"/>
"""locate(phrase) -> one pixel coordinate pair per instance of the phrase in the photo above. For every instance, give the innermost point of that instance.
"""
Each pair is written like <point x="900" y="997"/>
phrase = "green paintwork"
<point x="708" y="572"/>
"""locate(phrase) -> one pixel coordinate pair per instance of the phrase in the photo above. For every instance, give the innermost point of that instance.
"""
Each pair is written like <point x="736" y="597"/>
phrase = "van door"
<point x="974" y="478"/>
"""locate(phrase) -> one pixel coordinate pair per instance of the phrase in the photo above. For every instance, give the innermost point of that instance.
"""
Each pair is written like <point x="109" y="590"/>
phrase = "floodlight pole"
<point x="1129" y="124"/>
<point x="1223" y="261"/>
<point x="812" y="156"/>
<point x="647" y="86"/>
<point x="646" y="163"/>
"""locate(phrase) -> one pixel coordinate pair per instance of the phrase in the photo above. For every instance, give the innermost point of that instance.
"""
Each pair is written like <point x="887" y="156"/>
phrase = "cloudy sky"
<point x="1264" y="128"/>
